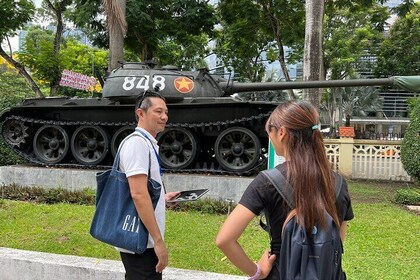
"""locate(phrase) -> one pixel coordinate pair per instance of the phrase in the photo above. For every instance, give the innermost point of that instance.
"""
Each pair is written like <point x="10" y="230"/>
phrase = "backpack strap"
<point x="277" y="179"/>
<point x="279" y="182"/>
<point x="338" y="183"/>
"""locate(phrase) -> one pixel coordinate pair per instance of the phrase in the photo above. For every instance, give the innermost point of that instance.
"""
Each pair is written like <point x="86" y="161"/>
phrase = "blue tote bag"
<point x="116" y="221"/>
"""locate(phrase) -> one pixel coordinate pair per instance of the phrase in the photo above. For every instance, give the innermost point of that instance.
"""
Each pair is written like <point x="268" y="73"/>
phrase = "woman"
<point x="294" y="132"/>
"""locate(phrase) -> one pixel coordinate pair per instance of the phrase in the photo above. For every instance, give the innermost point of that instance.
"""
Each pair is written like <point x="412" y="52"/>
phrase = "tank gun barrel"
<point x="233" y="87"/>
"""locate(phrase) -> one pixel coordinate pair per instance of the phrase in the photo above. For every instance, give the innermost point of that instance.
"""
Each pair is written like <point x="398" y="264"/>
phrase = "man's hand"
<point x="162" y="255"/>
<point x="170" y="196"/>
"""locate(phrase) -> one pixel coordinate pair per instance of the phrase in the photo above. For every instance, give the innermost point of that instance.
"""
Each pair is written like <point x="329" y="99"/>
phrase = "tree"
<point x="265" y="27"/>
<point x="117" y="26"/>
<point x="185" y="56"/>
<point x="360" y="101"/>
<point x="400" y="52"/>
<point x="155" y="24"/>
<point x="57" y="8"/>
<point x="243" y="53"/>
<point x="154" y="27"/>
<point x="352" y="29"/>
<point x="349" y="102"/>
<point x="404" y="8"/>
<point x="410" y="146"/>
<point x="38" y="55"/>
<point x="313" y="56"/>
<point x="15" y="14"/>
<point x="82" y="59"/>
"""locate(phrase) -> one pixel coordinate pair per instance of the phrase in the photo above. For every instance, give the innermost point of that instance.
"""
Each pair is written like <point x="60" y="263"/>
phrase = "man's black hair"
<point x="147" y="93"/>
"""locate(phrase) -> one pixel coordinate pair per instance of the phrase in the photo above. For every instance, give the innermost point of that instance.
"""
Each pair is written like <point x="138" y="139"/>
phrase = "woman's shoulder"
<point x="339" y="181"/>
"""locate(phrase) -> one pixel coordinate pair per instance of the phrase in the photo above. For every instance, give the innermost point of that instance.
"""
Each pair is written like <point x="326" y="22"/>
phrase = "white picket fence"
<point x="370" y="159"/>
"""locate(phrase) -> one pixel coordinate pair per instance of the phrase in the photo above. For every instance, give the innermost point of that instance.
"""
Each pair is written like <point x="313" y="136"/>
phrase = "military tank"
<point x="208" y="129"/>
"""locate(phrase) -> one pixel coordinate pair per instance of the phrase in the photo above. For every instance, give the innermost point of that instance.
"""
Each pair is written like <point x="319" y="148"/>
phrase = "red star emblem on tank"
<point x="183" y="84"/>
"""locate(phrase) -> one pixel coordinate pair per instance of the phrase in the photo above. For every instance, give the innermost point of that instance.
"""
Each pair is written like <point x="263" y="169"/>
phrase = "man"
<point x="152" y="115"/>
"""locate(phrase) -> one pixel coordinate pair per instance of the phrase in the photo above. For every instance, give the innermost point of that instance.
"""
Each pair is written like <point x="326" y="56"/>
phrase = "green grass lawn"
<point x="383" y="241"/>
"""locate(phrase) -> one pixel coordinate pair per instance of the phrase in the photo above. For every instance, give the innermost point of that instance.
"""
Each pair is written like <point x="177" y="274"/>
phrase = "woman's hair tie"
<point x="315" y="127"/>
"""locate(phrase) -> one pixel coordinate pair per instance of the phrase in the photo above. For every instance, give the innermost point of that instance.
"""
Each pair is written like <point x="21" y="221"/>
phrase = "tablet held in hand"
<point x="190" y="195"/>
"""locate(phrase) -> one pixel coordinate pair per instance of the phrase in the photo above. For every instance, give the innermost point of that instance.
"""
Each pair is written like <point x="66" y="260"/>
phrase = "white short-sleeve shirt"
<point x="134" y="159"/>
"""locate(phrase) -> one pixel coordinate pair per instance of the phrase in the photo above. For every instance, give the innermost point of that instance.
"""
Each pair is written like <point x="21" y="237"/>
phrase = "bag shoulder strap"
<point x="279" y="182"/>
<point x="117" y="155"/>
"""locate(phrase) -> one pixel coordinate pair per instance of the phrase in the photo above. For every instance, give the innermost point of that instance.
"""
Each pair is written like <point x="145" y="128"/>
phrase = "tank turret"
<point x="207" y="131"/>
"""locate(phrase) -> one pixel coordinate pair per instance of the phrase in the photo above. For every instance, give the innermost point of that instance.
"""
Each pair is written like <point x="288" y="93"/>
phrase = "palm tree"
<point x="359" y="101"/>
<point x="117" y="27"/>
<point x="348" y="102"/>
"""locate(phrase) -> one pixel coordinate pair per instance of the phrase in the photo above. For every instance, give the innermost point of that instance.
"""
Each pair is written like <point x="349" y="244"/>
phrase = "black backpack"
<point x="302" y="256"/>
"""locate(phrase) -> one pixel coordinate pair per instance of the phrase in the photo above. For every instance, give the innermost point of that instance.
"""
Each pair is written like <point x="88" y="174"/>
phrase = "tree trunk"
<point x="275" y="26"/>
<point x="58" y="12"/>
<point x="23" y="73"/>
<point x="313" y="55"/>
<point x="285" y="70"/>
<point x="333" y="110"/>
<point x="115" y="11"/>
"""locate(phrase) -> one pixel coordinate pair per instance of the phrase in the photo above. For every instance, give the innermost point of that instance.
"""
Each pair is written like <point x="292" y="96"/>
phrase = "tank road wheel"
<point x="237" y="149"/>
<point x="14" y="132"/>
<point x="51" y="144"/>
<point x="119" y="135"/>
<point x="177" y="148"/>
<point x="89" y="144"/>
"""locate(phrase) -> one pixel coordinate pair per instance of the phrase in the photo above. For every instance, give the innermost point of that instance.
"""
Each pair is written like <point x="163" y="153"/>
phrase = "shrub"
<point x="14" y="90"/>
<point x="88" y="197"/>
<point x="48" y="196"/>
<point x="8" y="157"/>
<point x="206" y="205"/>
<point x="410" y="147"/>
<point x="407" y="197"/>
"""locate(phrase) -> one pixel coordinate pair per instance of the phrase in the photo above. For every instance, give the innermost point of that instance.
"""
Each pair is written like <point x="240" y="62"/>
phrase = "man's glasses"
<point x="147" y="93"/>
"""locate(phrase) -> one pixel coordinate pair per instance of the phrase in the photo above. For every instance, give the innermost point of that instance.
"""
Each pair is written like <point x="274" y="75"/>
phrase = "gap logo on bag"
<point x="131" y="223"/>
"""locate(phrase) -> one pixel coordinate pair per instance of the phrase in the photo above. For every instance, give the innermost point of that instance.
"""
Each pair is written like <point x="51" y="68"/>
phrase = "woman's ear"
<point x="281" y="133"/>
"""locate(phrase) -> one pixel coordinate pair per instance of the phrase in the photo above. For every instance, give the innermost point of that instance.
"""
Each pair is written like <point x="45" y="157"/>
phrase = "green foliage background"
<point x="399" y="54"/>
<point x="14" y="14"/>
<point x="13" y="89"/>
<point x="410" y="147"/>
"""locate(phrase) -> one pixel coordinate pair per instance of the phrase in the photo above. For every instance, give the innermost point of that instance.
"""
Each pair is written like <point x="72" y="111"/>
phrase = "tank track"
<point x="203" y="126"/>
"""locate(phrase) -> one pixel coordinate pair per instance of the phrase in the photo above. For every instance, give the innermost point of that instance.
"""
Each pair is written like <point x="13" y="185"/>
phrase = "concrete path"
<point x="28" y="265"/>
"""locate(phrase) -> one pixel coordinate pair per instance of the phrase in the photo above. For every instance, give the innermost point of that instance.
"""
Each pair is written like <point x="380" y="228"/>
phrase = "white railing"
<point x="333" y="153"/>
<point x="367" y="159"/>
<point x="378" y="161"/>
